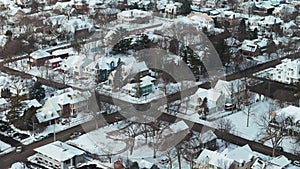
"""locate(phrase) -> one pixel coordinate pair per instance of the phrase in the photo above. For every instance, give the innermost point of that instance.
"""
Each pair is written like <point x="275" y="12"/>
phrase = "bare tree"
<point x="274" y="128"/>
<point x="225" y="126"/>
<point x="132" y="131"/>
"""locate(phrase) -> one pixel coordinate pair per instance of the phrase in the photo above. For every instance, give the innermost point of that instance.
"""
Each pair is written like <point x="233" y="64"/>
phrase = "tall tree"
<point x="5" y="93"/>
<point x="274" y="129"/>
<point x="119" y="34"/>
<point x="186" y="7"/>
<point x="242" y="31"/>
<point x="37" y="91"/>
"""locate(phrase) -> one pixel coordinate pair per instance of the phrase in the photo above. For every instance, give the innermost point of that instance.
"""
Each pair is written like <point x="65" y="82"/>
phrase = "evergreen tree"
<point x="37" y="91"/>
<point x="242" y="31"/>
<point x="204" y="108"/>
<point x="34" y="6"/>
<point x="5" y="93"/>
<point x="186" y="7"/>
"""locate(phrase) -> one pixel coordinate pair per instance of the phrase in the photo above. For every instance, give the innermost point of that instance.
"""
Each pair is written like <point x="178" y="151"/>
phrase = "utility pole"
<point x="54" y="135"/>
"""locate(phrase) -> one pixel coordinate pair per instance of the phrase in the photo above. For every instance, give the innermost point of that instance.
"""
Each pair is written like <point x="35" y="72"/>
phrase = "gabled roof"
<point x="241" y="154"/>
<point x="207" y="136"/>
<point x="214" y="158"/>
<point x="279" y="162"/>
<point x="46" y="114"/>
<point x="59" y="151"/>
<point x="290" y="111"/>
<point x="40" y="54"/>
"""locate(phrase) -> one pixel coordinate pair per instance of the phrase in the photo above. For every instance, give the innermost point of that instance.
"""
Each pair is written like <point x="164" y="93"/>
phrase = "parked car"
<point x="65" y="121"/>
<point x="39" y="138"/>
<point x="3" y="128"/>
<point x="296" y="163"/>
<point x="75" y="134"/>
<point x="19" y="149"/>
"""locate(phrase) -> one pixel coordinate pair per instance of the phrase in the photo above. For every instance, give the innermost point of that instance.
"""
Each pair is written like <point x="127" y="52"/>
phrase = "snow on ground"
<point x="81" y="118"/>
<point x="239" y="120"/>
<point x="4" y="146"/>
<point x="18" y="165"/>
<point x="288" y="144"/>
<point x="101" y="141"/>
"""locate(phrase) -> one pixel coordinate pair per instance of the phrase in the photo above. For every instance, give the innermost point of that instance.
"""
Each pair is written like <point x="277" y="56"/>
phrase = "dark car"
<point x="50" y="135"/>
<point x="3" y="128"/>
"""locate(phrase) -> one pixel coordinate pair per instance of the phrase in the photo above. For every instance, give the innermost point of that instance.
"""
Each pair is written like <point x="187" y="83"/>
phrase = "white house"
<point x="216" y="101"/>
<point x="59" y="155"/>
<point x="213" y="160"/>
<point x="243" y="156"/>
<point x="279" y="162"/>
<point x="202" y="20"/>
<point x="134" y="16"/>
<point x="65" y="102"/>
<point x="290" y="115"/>
<point x="230" y="89"/>
<point x="287" y="72"/>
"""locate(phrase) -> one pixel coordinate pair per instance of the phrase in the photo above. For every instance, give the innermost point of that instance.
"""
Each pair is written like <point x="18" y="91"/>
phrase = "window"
<point x="279" y="77"/>
<point x="68" y="161"/>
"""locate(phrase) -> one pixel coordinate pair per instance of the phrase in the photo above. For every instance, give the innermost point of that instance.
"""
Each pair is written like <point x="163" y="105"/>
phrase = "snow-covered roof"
<point x="214" y="158"/>
<point x="249" y="45"/>
<point x="46" y="114"/>
<point x="32" y="103"/>
<point x="207" y="136"/>
<point x="241" y="154"/>
<point x="209" y="94"/>
<point x="59" y="151"/>
<point x="54" y="60"/>
<point x="147" y="80"/>
<point x="3" y="40"/>
<point x="290" y="111"/>
<point x="2" y="101"/>
<point x="40" y="54"/>
<point x="145" y="164"/>
<point x="278" y="162"/>
<point x="63" y="51"/>
<point x="176" y="127"/>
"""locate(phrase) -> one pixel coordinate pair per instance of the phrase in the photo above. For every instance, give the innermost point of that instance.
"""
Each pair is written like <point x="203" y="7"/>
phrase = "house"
<point x="202" y="20"/>
<point x="54" y="63"/>
<point x="134" y="71"/>
<point x="138" y="89"/>
<point x="287" y="72"/>
<point x="232" y="91"/>
<point x="15" y="14"/>
<point x="289" y="28"/>
<point x="263" y="8"/>
<point x="39" y="57"/>
<point x="279" y="162"/>
<point x="171" y="8"/>
<point x="46" y="116"/>
<point x="240" y="158"/>
<point x="291" y="116"/>
<point x="216" y="100"/>
<point x="249" y="48"/>
<point x="173" y="134"/>
<point x="78" y="26"/>
<point x="63" y="53"/>
<point x="211" y="3"/>
<point x="134" y="16"/>
<point x="213" y="160"/>
<point x="101" y="68"/>
<point x="208" y="140"/>
<point x="146" y="85"/>
<point x="66" y="102"/>
<point x="243" y="156"/>
<point x="59" y="155"/>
